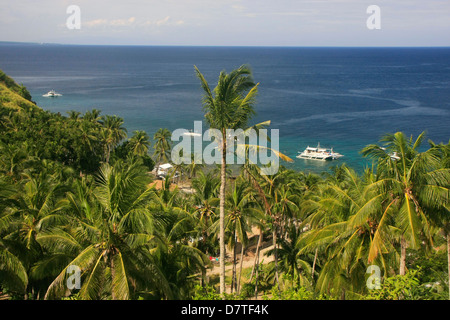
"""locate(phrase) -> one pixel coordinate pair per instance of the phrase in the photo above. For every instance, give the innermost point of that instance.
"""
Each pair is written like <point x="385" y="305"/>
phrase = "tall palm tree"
<point x="238" y="222"/>
<point x="252" y="173"/>
<point x="278" y="201"/>
<point x="229" y="106"/>
<point x="285" y="208"/>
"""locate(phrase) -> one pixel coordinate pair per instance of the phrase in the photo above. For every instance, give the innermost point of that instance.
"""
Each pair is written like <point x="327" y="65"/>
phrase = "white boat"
<point x="394" y="155"/>
<point x="52" y="93"/>
<point x="319" y="153"/>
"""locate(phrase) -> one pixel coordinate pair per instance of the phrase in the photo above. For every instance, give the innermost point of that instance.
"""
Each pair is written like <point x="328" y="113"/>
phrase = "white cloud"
<point x="167" y="21"/>
<point x="106" y="22"/>
<point x="123" y="22"/>
<point x="95" y="23"/>
<point x="162" y="21"/>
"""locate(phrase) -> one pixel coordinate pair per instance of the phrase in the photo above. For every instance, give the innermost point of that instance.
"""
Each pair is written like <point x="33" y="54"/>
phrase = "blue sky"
<point x="228" y="22"/>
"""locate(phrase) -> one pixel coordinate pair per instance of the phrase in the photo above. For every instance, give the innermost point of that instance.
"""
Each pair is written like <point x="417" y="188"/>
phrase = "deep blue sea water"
<point x="344" y="98"/>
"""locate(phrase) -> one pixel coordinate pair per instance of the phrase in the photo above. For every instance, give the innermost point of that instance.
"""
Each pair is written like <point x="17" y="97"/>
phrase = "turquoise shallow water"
<point x="344" y="98"/>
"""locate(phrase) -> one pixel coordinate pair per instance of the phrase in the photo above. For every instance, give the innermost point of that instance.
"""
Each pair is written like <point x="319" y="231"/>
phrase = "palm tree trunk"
<point x="256" y="276"/>
<point x="113" y="271"/>
<point x="205" y="233"/>
<point x="108" y="152"/>
<point x="448" y="262"/>
<point x="222" y="215"/>
<point x="402" y="256"/>
<point x="276" y="256"/>
<point x="314" y="265"/>
<point x="233" y="275"/>
<point x="258" y="246"/>
<point x="240" y="269"/>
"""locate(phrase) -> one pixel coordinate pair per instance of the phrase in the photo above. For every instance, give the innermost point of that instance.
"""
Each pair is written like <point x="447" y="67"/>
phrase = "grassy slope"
<point x="12" y="95"/>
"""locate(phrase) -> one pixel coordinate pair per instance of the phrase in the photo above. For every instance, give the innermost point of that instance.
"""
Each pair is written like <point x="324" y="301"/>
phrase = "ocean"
<point x="343" y="98"/>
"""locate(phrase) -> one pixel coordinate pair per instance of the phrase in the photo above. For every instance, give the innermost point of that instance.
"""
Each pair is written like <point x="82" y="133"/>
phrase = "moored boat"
<point x="319" y="153"/>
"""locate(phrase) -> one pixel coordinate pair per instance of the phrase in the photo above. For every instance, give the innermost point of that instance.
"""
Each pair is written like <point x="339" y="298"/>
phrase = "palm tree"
<point x="178" y="257"/>
<point x="252" y="173"/>
<point x="112" y="134"/>
<point x="343" y="220"/>
<point x="13" y="269"/>
<point x="205" y="202"/>
<point x="92" y="116"/>
<point x="74" y="115"/>
<point x="415" y="182"/>
<point x="193" y="168"/>
<point x="117" y="261"/>
<point x="239" y="208"/>
<point x="87" y="135"/>
<point x="438" y="210"/>
<point x="13" y="121"/>
<point x="291" y="261"/>
<point x="230" y="106"/>
<point x="278" y="201"/>
<point x="13" y="159"/>
<point x="139" y="142"/>
<point x="162" y="146"/>
<point x="38" y="207"/>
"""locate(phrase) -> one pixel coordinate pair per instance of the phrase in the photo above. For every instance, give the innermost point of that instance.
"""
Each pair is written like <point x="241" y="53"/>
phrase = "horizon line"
<point x="218" y="46"/>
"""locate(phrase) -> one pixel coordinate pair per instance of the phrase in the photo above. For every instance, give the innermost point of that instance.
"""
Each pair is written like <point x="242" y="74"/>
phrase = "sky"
<point x="228" y="22"/>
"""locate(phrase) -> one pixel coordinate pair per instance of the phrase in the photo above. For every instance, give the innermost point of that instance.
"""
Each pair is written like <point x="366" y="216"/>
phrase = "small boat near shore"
<point x="52" y="94"/>
<point x="319" y="153"/>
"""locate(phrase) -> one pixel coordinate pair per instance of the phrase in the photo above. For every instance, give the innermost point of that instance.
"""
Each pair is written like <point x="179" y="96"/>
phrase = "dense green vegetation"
<point x="76" y="191"/>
